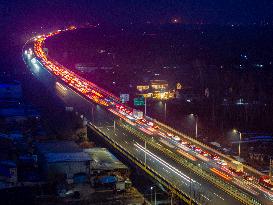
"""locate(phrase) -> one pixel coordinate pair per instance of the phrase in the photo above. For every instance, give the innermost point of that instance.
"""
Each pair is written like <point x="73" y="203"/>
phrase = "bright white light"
<point x="36" y="66"/>
<point x="33" y="61"/>
<point x="170" y="167"/>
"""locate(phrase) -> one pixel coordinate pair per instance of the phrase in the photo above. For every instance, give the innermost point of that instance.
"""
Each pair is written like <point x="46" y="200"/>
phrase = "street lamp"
<point x="152" y="193"/>
<point x="165" y="111"/>
<point x="196" y="124"/>
<point x="240" y="139"/>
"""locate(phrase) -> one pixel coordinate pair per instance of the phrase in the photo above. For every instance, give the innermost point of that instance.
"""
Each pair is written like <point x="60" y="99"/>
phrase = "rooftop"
<point x="5" y="84"/>
<point x="61" y="151"/>
<point x="57" y="146"/>
<point x="102" y="159"/>
<point x="18" y="112"/>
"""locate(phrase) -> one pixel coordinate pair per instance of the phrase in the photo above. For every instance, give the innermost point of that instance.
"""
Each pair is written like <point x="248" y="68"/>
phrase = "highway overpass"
<point x="189" y="169"/>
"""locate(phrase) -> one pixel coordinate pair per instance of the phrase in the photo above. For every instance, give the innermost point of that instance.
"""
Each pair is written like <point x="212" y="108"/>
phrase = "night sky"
<point x="190" y="11"/>
<point x="24" y="16"/>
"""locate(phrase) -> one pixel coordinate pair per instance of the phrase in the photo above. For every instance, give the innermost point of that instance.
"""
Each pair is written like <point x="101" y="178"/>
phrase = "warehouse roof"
<point x="102" y="159"/>
<point x="57" y="146"/>
<point x="61" y="151"/>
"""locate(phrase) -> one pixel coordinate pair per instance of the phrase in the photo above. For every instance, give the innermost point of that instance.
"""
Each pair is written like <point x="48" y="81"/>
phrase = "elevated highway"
<point x="189" y="169"/>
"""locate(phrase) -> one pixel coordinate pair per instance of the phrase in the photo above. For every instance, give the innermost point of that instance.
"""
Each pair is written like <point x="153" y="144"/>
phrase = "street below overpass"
<point x="199" y="189"/>
<point x="158" y="157"/>
<point x="186" y="181"/>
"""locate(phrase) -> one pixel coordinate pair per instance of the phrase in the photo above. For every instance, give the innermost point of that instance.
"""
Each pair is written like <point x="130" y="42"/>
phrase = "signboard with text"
<point x="139" y="101"/>
<point x="124" y="98"/>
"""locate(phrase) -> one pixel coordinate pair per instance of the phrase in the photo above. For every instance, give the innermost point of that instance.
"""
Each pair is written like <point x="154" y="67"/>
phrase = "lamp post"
<point x="152" y="194"/>
<point x="145" y="156"/>
<point x="145" y="102"/>
<point x="240" y="139"/>
<point x="196" y="124"/>
<point x="114" y="126"/>
<point x="165" y="111"/>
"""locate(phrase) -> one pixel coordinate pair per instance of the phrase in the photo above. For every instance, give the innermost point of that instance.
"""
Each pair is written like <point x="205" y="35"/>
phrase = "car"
<point x="222" y="162"/>
<point x="204" y="153"/>
<point x="215" y="157"/>
<point x="184" y="142"/>
<point x="198" y="149"/>
<point x="192" y="146"/>
<point x="162" y="134"/>
<point x="176" y="138"/>
<point x="170" y="134"/>
<point x="249" y="178"/>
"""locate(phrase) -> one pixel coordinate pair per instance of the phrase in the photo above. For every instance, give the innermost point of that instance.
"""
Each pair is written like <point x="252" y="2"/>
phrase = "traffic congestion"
<point x="230" y="171"/>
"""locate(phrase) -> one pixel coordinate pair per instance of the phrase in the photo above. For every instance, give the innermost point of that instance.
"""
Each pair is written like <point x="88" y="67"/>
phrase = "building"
<point x="10" y="90"/>
<point x="103" y="160"/>
<point x="8" y="171"/>
<point x="18" y="113"/>
<point x="156" y="89"/>
<point x="159" y="85"/>
<point x="62" y="159"/>
<point x="86" y="68"/>
<point x="142" y="88"/>
<point x="91" y="67"/>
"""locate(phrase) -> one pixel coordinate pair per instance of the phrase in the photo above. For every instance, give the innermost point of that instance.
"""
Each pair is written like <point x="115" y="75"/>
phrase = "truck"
<point x="137" y="114"/>
<point x="120" y="186"/>
<point x="236" y="166"/>
<point x="266" y="182"/>
<point x="103" y="180"/>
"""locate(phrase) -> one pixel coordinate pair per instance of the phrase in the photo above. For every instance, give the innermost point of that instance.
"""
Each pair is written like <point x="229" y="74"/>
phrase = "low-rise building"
<point x="103" y="160"/>
<point x="156" y="89"/>
<point x="62" y="158"/>
<point x="10" y="90"/>
<point x="8" y="171"/>
<point x="18" y="113"/>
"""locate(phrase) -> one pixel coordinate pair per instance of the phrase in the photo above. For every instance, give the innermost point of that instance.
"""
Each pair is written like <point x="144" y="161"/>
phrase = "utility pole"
<point x="155" y="196"/>
<point x="196" y="127"/>
<point x="195" y="117"/>
<point x="240" y="139"/>
<point x="165" y="111"/>
<point x="92" y="115"/>
<point x="190" y="192"/>
<point x="239" y="148"/>
<point x="145" y="102"/>
<point x="145" y="156"/>
<point x="270" y="170"/>
<point x="151" y="194"/>
<point x="114" y="126"/>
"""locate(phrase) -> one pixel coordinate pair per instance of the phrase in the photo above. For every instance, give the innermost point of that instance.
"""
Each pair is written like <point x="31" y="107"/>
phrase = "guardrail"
<point x="205" y="146"/>
<point x="162" y="180"/>
<point x="228" y="188"/>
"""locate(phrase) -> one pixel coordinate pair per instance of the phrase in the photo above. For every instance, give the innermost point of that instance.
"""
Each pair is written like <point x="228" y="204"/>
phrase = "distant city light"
<point x="176" y="20"/>
<point x="259" y="65"/>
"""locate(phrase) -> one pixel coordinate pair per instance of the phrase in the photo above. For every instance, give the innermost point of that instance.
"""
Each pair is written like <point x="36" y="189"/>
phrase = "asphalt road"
<point x="183" y="178"/>
<point x="200" y="189"/>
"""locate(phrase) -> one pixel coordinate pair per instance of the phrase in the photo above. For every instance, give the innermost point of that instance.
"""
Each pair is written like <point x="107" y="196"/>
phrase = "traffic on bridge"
<point x="168" y="152"/>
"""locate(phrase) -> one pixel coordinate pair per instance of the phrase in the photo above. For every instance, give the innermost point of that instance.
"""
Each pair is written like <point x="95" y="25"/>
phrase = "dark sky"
<point x="209" y="11"/>
<point x="30" y="15"/>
